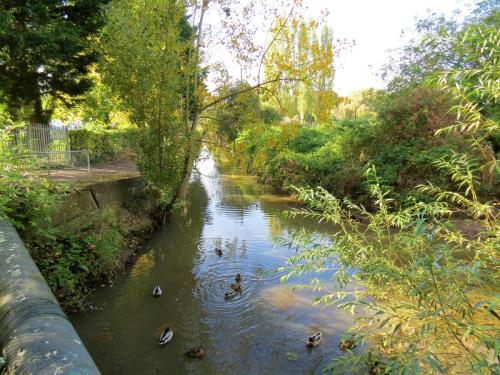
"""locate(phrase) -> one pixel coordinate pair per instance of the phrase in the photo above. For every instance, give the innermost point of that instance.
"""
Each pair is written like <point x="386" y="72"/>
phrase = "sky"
<point x="376" y="27"/>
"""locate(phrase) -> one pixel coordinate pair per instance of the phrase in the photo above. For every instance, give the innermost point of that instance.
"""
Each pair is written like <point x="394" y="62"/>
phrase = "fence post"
<point x="48" y="164"/>
<point x="88" y="163"/>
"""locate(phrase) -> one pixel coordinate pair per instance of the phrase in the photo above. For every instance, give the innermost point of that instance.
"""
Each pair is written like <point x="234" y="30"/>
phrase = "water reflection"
<point x="260" y="331"/>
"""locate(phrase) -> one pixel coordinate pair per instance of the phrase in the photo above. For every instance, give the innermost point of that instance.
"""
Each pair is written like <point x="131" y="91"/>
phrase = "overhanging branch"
<point x="248" y="89"/>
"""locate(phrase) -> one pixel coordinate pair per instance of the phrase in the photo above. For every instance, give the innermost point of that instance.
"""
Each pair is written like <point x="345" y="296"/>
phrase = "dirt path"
<point x="116" y="169"/>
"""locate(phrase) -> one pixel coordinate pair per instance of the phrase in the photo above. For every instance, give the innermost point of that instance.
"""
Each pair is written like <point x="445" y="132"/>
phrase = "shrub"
<point x="73" y="262"/>
<point x="426" y="294"/>
<point x="270" y="115"/>
<point x="103" y="144"/>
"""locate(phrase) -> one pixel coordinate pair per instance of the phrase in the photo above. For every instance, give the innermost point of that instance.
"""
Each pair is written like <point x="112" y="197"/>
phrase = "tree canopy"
<point x="46" y="51"/>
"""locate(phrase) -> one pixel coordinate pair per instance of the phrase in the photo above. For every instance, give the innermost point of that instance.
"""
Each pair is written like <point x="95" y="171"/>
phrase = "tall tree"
<point x="46" y="51"/>
<point x="147" y="44"/>
<point x="301" y="54"/>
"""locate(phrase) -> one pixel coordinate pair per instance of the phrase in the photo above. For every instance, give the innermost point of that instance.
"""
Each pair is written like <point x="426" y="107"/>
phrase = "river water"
<point x="260" y="331"/>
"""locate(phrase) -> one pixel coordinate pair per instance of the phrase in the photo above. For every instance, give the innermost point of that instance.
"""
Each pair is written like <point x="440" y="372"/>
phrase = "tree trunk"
<point x="39" y="126"/>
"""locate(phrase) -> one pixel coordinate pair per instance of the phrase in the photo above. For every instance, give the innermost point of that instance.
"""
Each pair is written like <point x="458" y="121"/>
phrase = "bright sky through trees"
<point x="376" y="27"/>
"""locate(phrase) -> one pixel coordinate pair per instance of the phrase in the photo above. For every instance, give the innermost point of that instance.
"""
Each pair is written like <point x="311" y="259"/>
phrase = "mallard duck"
<point x="236" y="287"/>
<point x="230" y="294"/>
<point x="157" y="291"/>
<point x="314" y="340"/>
<point x="196" y="352"/>
<point x="166" y="336"/>
<point x="218" y="247"/>
<point x="347" y="343"/>
<point x="238" y="278"/>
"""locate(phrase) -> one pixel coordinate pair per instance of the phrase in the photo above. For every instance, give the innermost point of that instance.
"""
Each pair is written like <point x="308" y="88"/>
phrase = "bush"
<point x="103" y="144"/>
<point x="426" y="293"/>
<point x="308" y="139"/>
<point x="73" y="262"/>
<point x="270" y="115"/>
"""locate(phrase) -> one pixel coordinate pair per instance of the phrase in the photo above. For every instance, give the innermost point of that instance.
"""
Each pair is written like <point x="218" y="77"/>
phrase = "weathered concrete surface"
<point x="117" y="192"/>
<point x="35" y="335"/>
<point x="98" y="196"/>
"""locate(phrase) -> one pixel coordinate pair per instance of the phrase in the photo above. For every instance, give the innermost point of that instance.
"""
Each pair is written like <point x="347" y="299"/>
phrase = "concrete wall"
<point x="35" y="335"/>
<point x="98" y="196"/>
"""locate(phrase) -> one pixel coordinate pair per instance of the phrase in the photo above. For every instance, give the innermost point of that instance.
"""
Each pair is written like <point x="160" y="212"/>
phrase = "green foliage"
<point x="475" y="86"/>
<point x="236" y="111"/>
<point x="308" y="139"/>
<point x="413" y="112"/>
<point x="358" y="104"/>
<point x="147" y="46"/>
<point x="99" y="106"/>
<point x="305" y="51"/>
<point x="24" y="200"/>
<point x="104" y="144"/>
<point x="46" y="50"/>
<point x="70" y="262"/>
<point x="428" y="289"/>
<point x="270" y="115"/>
<point x="335" y="156"/>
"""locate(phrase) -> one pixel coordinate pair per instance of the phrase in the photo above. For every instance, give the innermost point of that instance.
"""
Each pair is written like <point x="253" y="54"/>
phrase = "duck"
<point x="196" y="352"/>
<point x="230" y="294"/>
<point x="314" y="340"/>
<point x="236" y="287"/>
<point x="238" y="278"/>
<point x="166" y="336"/>
<point x="218" y="247"/>
<point x="347" y="343"/>
<point x="157" y="291"/>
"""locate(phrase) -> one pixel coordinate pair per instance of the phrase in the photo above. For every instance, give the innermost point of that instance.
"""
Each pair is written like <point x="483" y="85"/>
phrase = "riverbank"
<point x="92" y="234"/>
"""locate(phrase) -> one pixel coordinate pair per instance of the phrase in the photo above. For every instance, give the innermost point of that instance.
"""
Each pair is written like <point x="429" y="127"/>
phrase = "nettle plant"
<point x="424" y="292"/>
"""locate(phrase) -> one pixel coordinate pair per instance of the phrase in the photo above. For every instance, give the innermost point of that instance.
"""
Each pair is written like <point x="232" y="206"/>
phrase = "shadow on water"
<point x="260" y="331"/>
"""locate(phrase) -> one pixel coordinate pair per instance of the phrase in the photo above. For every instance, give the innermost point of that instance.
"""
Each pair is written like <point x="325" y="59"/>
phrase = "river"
<point x="260" y="331"/>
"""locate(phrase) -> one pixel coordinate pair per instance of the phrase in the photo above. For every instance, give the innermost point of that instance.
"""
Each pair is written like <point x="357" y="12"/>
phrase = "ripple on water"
<point x="215" y="274"/>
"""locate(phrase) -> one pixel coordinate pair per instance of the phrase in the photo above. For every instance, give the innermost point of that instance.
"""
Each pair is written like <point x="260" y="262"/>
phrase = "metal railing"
<point x="57" y="164"/>
<point x="48" y="149"/>
<point x="42" y="138"/>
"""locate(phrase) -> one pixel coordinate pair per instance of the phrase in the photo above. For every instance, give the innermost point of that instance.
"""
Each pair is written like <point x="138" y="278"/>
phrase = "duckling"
<point x="314" y="340"/>
<point x="230" y="294"/>
<point x="157" y="291"/>
<point x="238" y="278"/>
<point x="218" y="251"/>
<point x="166" y="336"/>
<point x="347" y="343"/>
<point x="196" y="352"/>
<point x="236" y="287"/>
